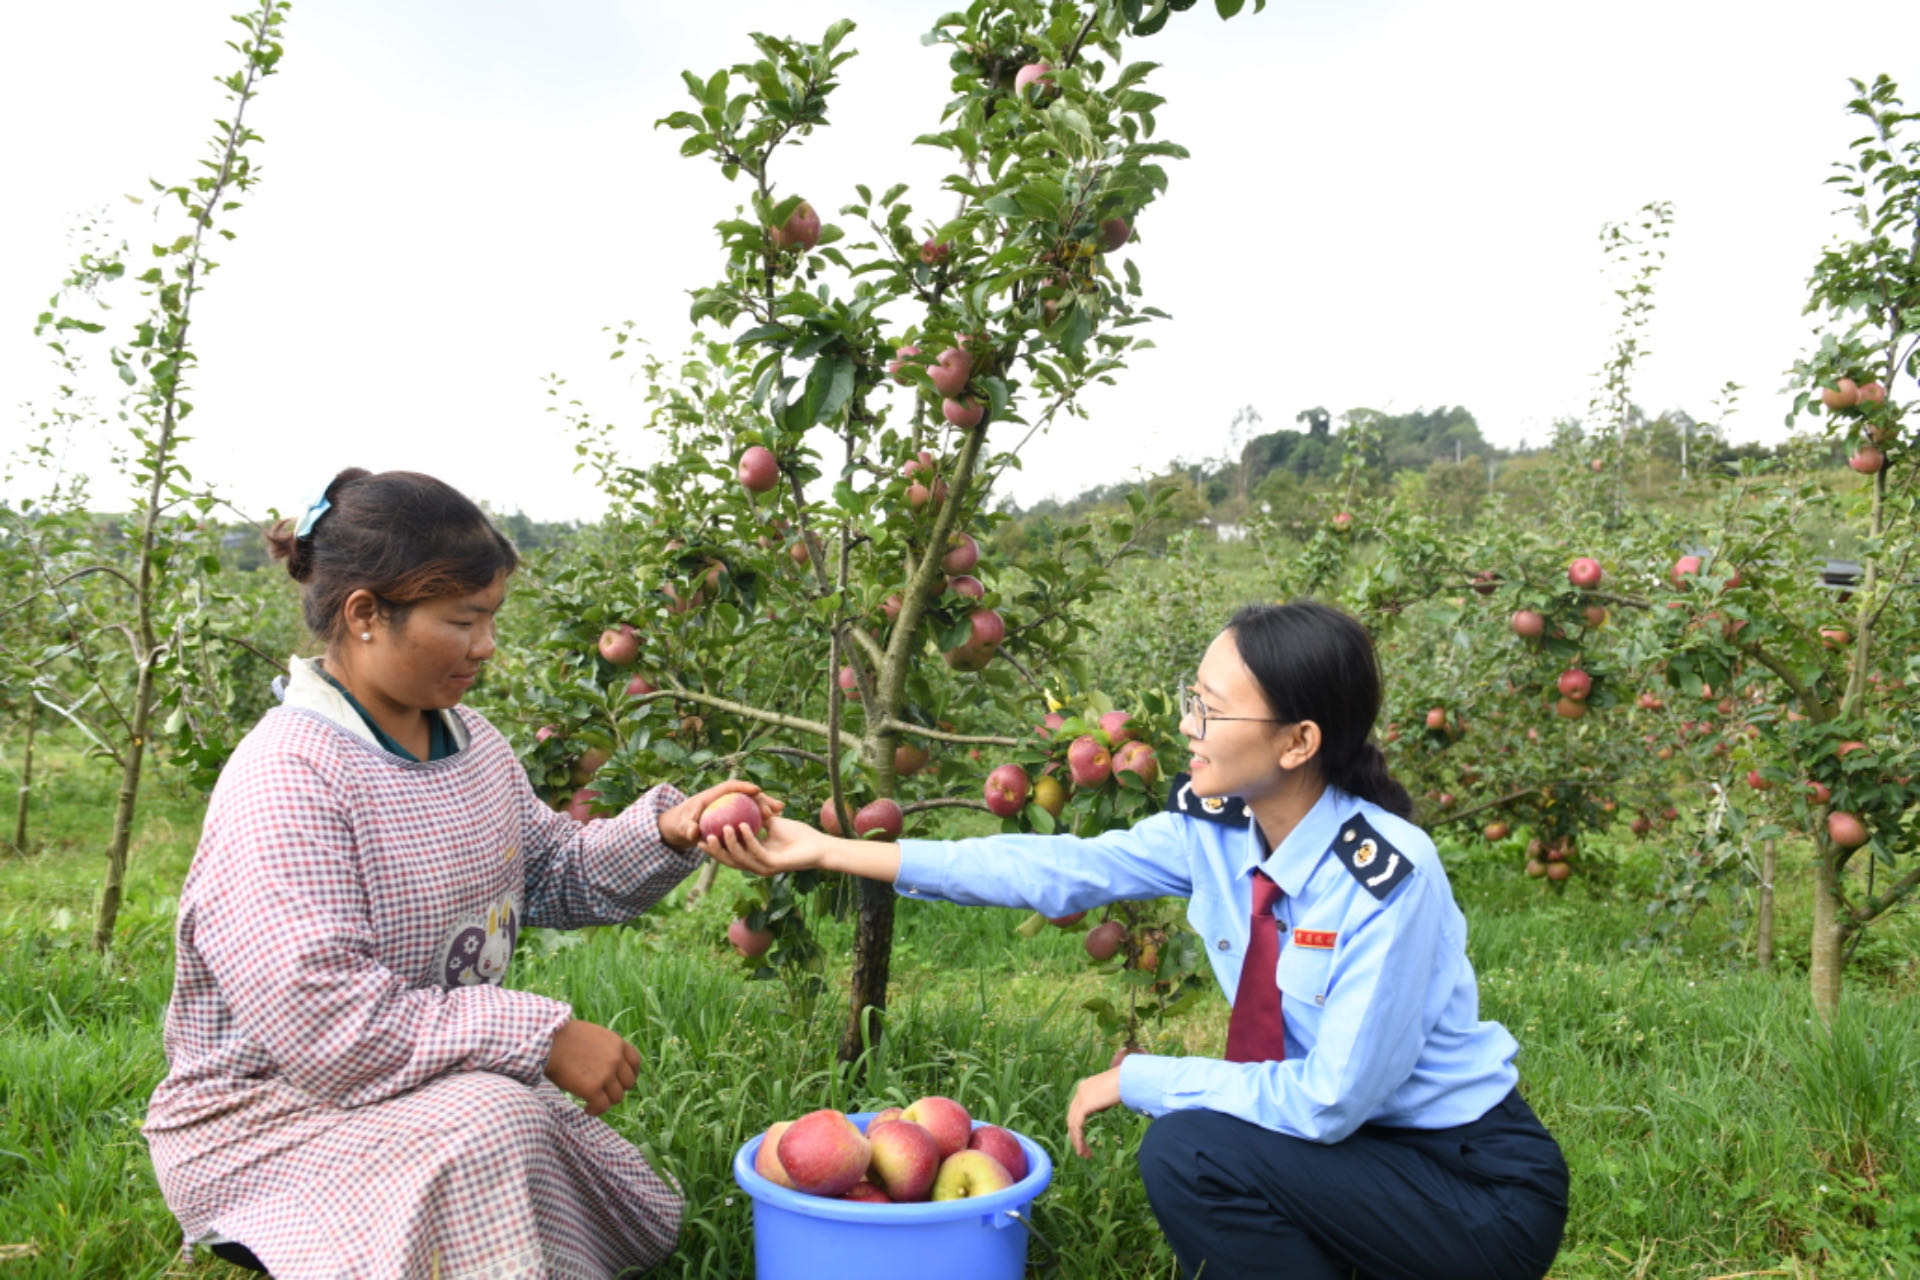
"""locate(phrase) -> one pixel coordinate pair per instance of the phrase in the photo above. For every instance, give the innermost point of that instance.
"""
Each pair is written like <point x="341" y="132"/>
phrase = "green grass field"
<point x="1711" y="1131"/>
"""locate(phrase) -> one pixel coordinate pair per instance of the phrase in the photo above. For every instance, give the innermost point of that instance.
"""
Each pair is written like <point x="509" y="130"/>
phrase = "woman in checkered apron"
<point x="351" y="1091"/>
<point x="1363" y="1120"/>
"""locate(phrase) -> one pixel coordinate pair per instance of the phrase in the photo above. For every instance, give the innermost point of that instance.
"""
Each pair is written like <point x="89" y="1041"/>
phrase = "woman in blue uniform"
<point x="1364" y="1119"/>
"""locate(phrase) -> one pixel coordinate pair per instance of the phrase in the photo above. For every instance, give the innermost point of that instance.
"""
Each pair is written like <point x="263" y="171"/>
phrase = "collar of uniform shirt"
<point x="1308" y="842"/>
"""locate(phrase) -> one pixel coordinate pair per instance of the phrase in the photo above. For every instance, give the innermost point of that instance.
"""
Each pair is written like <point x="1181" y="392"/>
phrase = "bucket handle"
<point x="1053" y="1254"/>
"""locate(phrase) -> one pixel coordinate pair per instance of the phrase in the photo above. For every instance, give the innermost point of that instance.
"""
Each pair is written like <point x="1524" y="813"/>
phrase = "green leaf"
<point x="1228" y="8"/>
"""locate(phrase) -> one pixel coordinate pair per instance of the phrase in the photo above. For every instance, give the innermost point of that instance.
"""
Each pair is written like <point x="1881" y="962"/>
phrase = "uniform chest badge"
<point x="1364" y="852"/>
<point x="1315" y="939"/>
<point x="1224" y="810"/>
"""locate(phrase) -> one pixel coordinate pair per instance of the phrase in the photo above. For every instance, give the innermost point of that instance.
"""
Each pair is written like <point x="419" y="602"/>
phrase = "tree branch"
<point x="941" y="735"/>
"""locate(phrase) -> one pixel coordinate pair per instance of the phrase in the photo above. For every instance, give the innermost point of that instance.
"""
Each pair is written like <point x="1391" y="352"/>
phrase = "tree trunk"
<point x="1824" y="967"/>
<point x="26" y="780"/>
<point x="124" y="808"/>
<point x="1763" y="916"/>
<point x="872" y="962"/>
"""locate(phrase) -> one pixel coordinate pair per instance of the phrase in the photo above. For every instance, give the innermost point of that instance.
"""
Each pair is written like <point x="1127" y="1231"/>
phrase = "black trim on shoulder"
<point x="1228" y="811"/>
<point x="1375" y="863"/>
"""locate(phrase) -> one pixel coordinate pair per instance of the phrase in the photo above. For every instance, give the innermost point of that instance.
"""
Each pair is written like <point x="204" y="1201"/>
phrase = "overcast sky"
<point x="1390" y="203"/>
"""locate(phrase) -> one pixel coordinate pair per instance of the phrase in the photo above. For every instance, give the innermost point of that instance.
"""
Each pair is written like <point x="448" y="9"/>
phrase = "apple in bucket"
<point x="1002" y="1146"/>
<point x="905" y="1159"/>
<point x="945" y="1119"/>
<point x="966" y="1174"/>
<point x="824" y="1153"/>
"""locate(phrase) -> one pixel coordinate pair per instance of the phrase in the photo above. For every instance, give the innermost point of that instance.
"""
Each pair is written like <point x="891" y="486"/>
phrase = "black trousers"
<point x="1481" y="1201"/>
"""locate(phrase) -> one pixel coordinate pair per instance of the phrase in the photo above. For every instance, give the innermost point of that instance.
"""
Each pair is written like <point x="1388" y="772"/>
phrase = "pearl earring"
<point x="366" y="635"/>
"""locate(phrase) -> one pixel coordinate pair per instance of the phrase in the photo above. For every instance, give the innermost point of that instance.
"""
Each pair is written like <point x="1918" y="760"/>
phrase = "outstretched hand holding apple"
<point x="680" y="826"/>
<point x="794" y="846"/>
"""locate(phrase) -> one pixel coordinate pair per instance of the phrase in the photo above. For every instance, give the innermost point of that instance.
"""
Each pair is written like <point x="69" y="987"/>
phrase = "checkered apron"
<point x="351" y="1092"/>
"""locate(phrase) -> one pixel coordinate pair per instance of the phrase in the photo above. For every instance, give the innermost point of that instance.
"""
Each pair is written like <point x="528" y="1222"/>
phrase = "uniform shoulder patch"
<point x="1377" y="865"/>
<point x="1225" y="810"/>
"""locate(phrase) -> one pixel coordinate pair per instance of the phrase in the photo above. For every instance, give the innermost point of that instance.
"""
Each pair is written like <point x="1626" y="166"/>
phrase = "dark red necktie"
<point x="1255" y="1032"/>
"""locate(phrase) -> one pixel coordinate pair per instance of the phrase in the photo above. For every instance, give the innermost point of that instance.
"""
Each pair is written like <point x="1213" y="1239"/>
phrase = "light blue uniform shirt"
<point x="1380" y="1005"/>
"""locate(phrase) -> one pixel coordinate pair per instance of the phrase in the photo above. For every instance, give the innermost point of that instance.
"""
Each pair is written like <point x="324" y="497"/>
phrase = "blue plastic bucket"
<point x="802" y="1237"/>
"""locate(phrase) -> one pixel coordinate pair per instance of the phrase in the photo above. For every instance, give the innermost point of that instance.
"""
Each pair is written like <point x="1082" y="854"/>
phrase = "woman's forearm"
<point x="868" y="859"/>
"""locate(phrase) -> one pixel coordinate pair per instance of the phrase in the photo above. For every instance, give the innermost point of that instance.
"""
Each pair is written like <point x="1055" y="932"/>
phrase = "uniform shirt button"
<point x="1320" y="999"/>
<point x="1223" y="944"/>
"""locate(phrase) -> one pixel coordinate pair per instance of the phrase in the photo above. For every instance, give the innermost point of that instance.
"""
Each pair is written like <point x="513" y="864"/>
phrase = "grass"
<point x="1711" y="1130"/>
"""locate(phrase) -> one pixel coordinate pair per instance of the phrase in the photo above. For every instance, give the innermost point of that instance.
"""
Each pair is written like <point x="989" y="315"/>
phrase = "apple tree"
<point x="793" y="588"/>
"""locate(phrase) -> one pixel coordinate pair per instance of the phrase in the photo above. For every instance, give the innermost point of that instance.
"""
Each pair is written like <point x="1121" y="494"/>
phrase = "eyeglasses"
<point x="1191" y="708"/>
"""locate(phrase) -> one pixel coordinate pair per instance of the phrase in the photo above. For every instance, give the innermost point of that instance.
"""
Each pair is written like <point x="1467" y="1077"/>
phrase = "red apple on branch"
<point x="965" y="414"/>
<point x="1031" y="74"/>
<point x="899" y="370"/>
<point x="800" y="231"/>
<point x="749" y="942"/>
<point x="1089" y="763"/>
<point x="962" y="553"/>
<point x="1104" y="940"/>
<point x="1050" y="794"/>
<point x="1867" y="461"/>
<point x="620" y="645"/>
<point x="1576" y="684"/>
<point x="879" y="820"/>
<point x="1007" y="789"/>
<point x="1585" y="573"/>
<point x="1137" y="758"/>
<point x="1846" y="830"/>
<point x="951" y="371"/>
<point x="759" y="470"/>
<point x="1114" y="232"/>
<point x="1843" y="394"/>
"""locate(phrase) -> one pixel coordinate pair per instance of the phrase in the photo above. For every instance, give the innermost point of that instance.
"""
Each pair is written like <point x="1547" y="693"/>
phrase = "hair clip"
<point x="315" y="509"/>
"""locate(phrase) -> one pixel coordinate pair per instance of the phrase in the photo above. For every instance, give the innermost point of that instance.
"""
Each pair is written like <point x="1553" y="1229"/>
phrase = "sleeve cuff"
<point x="1143" y="1082"/>
<point x="921" y="872"/>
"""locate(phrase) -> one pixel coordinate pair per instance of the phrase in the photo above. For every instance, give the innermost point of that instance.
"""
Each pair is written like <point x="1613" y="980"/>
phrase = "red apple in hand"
<point x="731" y="810"/>
<point x="945" y="1119"/>
<point x="824" y="1153"/>
<point x="1007" y="789"/>
<point x="758" y="471"/>
<point x="1002" y="1146"/>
